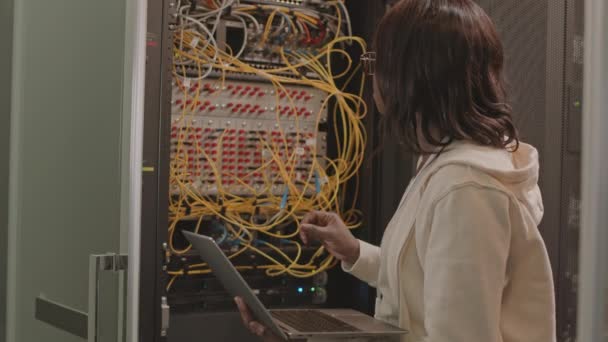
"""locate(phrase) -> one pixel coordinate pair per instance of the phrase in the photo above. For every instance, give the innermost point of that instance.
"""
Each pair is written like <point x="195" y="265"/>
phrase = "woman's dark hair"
<point x="441" y="61"/>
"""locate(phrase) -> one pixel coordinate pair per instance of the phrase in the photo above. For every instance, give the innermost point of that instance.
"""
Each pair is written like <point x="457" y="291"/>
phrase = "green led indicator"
<point x="312" y="289"/>
<point x="577" y="104"/>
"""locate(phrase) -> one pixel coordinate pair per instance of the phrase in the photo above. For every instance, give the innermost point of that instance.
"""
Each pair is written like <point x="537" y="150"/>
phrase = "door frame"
<point x="6" y="39"/>
<point x="131" y="155"/>
<point x="593" y="286"/>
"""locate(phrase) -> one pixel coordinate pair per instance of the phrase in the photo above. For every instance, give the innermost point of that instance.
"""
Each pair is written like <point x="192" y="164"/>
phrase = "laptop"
<point x="290" y="324"/>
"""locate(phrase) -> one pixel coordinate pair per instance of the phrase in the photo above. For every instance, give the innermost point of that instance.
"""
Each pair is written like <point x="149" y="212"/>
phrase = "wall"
<point x="6" y="25"/>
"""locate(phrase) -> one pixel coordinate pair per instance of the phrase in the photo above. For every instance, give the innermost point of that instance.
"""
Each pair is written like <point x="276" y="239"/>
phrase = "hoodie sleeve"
<point x="367" y="266"/>
<point x="464" y="253"/>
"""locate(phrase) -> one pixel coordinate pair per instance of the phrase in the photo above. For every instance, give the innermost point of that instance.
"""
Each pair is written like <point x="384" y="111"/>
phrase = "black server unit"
<point x="543" y="45"/>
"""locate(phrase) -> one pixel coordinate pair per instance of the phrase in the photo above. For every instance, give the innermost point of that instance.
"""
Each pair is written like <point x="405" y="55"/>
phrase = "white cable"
<point x="194" y="19"/>
<point x="252" y="18"/>
<point x="225" y="4"/>
<point x="308" y="12"/>
<point x="346" y="17"/>
<point x="206" y="15"/>
<point x="181" y="25"/>
<point x="281" y="26"/>
<point x="286" y="17"/>
<point x="300" y="26"/>
<point x="215" y="25"/>
<point x="210" y="41"/>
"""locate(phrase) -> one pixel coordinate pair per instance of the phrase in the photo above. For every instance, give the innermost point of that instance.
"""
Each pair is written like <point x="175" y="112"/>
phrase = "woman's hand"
<point x="255" y="327"/>
<point x="333" y="233"/>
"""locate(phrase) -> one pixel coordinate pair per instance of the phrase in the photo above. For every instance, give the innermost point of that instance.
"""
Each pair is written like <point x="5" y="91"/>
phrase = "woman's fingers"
<point x="253" y="326"/>
<point x="303" y="235"/>
<point x="316" y="217"/>
<point x="318" y="225"/>
<point x="310" y="217"/>
<point x="313" y="232"/>
<point x="244" y="310"/>
<point x="257" y="328"/>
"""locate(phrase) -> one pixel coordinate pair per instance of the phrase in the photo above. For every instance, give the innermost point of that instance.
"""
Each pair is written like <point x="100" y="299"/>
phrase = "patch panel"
<point x="244" y="156"/>
<point x="246" y="99"/>
<point x="244" y="137"/>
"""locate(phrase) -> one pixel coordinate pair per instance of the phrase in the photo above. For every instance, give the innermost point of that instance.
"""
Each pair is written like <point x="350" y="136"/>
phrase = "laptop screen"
<point x="230" y="278"/>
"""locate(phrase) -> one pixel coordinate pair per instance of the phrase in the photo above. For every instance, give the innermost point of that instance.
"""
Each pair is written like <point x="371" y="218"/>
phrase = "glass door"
<point x="73" y="172"/>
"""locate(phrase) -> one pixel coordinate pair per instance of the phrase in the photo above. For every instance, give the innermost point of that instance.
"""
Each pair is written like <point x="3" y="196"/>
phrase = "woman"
<point x="462" y="259"/>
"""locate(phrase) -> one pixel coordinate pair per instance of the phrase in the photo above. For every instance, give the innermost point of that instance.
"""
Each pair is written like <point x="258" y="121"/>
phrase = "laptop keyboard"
<point x="309" y="321"/>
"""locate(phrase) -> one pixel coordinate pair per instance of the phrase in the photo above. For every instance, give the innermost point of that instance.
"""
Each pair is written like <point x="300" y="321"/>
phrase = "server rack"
<point x="544" y="56"/>
<point x="543" y="47"/>
<point x="343" y="289"/>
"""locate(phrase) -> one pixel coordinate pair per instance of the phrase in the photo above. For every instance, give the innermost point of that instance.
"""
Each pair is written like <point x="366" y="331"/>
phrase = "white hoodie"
<point x="462" y="259"/>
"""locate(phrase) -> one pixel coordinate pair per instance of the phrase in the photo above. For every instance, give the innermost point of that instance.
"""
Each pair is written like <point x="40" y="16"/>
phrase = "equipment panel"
<point x="246" y="137"/>
<point x="249" y="100"/>
<point x="262" y="132"/>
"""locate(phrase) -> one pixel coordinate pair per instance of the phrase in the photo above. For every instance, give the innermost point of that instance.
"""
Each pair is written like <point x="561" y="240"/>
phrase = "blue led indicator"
<point x="300" y="289"/>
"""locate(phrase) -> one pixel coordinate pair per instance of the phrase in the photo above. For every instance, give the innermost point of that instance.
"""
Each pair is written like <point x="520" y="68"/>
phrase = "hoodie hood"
<point x="517" y="171"/>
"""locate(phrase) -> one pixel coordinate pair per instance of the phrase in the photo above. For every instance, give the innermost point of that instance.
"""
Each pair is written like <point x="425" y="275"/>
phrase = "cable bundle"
<point x="305" y="45"/>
